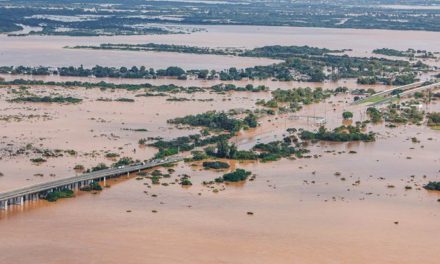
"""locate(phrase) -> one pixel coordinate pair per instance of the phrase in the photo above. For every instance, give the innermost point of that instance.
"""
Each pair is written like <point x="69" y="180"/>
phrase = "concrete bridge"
<point x="388" y="92"/>
<point x="409" y="92"/>
<point x="403" y="88"/>
<point x="33" y="192"/>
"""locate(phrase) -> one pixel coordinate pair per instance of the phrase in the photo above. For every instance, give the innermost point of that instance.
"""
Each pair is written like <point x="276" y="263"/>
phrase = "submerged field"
<point x="360" y="201"/>
<point x="334" y="204"/>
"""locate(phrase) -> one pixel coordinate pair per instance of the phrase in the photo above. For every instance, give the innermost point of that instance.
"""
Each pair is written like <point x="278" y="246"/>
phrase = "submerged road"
<point x="32" y="192"/>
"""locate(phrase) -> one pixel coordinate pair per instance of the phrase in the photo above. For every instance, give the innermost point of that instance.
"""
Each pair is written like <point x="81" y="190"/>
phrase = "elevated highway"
<point x="32" y="192"/>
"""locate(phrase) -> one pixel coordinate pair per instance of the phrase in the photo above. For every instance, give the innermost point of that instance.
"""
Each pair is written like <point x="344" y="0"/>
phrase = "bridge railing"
<point x="111" y="172"/>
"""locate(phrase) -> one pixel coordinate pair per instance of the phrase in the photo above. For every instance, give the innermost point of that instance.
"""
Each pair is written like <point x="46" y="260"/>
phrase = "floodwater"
<point x="91" y="128"/>
<point x="272" y="84"/>
<point x="49" y="51"/>
<point x="303" y="211"/>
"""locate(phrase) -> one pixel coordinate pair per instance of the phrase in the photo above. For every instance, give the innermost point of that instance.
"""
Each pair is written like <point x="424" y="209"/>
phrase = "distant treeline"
<point x="299" y="64"/>
<point x="170" y="88"/>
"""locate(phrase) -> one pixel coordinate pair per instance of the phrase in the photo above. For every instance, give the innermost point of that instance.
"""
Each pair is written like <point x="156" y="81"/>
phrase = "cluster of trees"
<point x="347" y="115"/>
<point x="47" y="99"/>
<point x="60" y="194"/>
<point x="25" y="70"/>
<point x="160" y="89"/>
<point x="282" y="52"/>
<point x="295" y="98"/>
<point x="100" y="166"/>
<point x="215" y="165"/>
<point x="402" y="114"/>
<point x="237" y="176"/>
<point x="122" y="72"/>
<point x="123" y="162"/>
<point x="94" y="186"/>
<point x="390" y="52"/>
<point x="404" y="79"/>
<point x="400" y="79"/>
<point x="432" y="186"/>
<point x="217" y="120"/>
<point x="172" y="147"/>
<point x="276" y="150"/>
<point x="271" y="151"/>
<point x="231" y="87"/>
<point x="299" y="63"/>
<point x="368" y="80"/>
<point x="98" y="71"/>
<point x="374" y="115"/>
<point x="433" y="119"/>
<point x="300" y="95"/>
<point x="339" y="134"/>
<point x="162" y="48"/>
<point x="408" y="53"/>
<point x="222" y="150"/>
<point x="276" y="51"/>
<point x="102" y="84"/>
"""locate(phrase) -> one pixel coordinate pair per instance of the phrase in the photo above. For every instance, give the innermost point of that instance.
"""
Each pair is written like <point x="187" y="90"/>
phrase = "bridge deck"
<point x="407" y="87"/>
<point x="408" y="92"/>
<point x="107" y="173"/>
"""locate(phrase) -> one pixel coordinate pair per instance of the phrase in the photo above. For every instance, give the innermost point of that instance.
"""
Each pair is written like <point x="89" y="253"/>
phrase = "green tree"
<point x="347" y="115"/>
<point x="251" y="120"/>
<point x="223" y="149"/>
<point x="232" y="151"/>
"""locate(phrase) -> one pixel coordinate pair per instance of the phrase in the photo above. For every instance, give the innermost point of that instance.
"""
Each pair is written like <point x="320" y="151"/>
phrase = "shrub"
<point x="432" y="186"/>
<point x="236" y="176"/>
<point x="185" y="182"/>
<point x="347" y="115"/>
<point x="122" y="162"/>
<point x="215" y="165"/>
<point x="100" y="166"/>
<point x="38" y="160"/>
<point x="94" y="186"/>
<point x="55" y="195"/>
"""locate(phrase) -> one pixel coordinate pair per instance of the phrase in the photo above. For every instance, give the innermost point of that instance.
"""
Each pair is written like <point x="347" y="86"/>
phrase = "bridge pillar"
<point x="5" y="206"/>
<point x="104" y="180"/>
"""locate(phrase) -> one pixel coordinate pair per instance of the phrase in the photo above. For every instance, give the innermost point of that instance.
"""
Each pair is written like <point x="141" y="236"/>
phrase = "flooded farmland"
<point x="50" y="51"/>
<point x="351" y="202"/>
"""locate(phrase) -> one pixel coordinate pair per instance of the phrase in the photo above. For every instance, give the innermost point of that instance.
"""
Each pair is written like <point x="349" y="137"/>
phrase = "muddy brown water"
<point x="303" y="210"/>
<point x="49" y="50"/>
